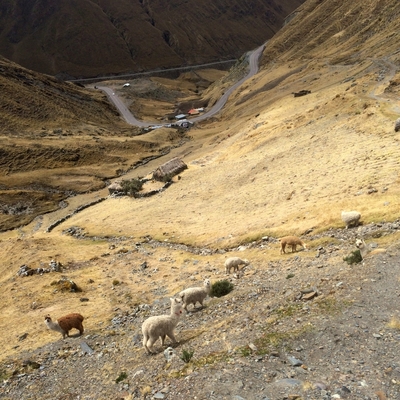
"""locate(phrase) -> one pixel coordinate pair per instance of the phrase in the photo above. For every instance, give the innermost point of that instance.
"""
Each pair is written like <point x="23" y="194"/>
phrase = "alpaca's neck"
<point x="54" y="326"/>
<point x="175" y="316"/>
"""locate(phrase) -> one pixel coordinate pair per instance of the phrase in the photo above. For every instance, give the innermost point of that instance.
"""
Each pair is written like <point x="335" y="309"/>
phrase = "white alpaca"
<point x="161" y="326"/>
<point x="65" y="324"/>
<point x="195" y="294"/>
<point x="365" y="250"/>
<point x="351" y="218"/>
<point x="234" y="262"/>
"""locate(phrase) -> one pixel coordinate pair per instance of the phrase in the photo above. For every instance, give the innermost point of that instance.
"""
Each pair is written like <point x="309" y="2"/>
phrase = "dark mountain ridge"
<point x="88" y="38"/>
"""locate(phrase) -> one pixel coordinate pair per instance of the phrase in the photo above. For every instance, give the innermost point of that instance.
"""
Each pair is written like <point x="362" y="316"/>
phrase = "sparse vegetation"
<point x="221" y="288"/>
<point x="394" y="324"/>
<point x="242" y="166"/>
<point x="353" y="258"/>
<point x="122" y="376"/>
<point x="186" y="355"/>
<point x="132" y="186"/>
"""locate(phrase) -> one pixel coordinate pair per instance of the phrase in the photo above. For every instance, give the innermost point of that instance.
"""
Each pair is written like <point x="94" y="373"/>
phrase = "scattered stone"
<point x="294" y="361"/>
<point x="301" y="93"/>
<point x="287" y="382"/>
<point x="86" y="348"/>
<point x="23" y="337"/>
<point x="253" y="347"/>
<point x="115" y="187"/>
<point x="309" y="296"/>
<point x="397" y="125"/>
<point x="65" y="284"/>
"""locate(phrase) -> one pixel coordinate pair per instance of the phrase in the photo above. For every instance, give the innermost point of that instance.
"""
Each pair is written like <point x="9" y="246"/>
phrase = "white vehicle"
<point x="184" y="123"/>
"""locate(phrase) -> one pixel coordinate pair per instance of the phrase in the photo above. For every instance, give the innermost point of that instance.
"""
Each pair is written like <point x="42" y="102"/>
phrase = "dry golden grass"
<point x="394" y="324"/>
<point x="268" y="164"/>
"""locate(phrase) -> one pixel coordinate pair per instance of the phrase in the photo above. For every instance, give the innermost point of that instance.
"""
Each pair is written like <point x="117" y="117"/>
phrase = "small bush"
<point x="131" y="187"/>
<point x="354" y="257"/>
<point x="186" y="355"/>
<point x="122" y="376"/>
<point x="221" y="288"/>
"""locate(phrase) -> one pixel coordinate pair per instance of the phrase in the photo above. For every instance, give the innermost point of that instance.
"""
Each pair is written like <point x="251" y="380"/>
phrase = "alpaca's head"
<point x="207" y="283"/>
<point x="360" y="244"/>
<point x="47" y="318"/>
<point x="176" y="306"/>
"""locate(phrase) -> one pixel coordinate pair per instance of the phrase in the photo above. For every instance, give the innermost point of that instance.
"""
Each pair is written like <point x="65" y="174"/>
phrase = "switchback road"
<point x="130" y="118"/>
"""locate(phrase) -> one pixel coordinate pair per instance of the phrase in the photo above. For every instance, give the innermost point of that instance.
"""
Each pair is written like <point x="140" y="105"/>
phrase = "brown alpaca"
<point x="65" y="324"/>
<point x="292" y="241"/>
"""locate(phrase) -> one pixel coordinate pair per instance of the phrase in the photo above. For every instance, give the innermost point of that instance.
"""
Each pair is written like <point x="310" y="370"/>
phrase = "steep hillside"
<point x="303" y="325"/>
<point x="32" y="101"/>
<point x="334" y="31"/>
<point x="98" y="37"/>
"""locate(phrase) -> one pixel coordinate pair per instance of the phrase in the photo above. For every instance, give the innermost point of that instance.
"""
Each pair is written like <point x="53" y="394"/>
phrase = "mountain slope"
<point x="269" y="165"/>
<point x="31" y="101"/>
<point x="97" y="37"/>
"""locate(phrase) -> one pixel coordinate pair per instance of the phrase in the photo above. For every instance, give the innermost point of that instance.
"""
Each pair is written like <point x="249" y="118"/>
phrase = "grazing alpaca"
<point x="351" y="218"/>
<point x="195" y="294"/>
<point x="234" y="262"/>
<point x="292" y="241"/>
<point x="65" y="324"/>
<point x="161" y="326"/>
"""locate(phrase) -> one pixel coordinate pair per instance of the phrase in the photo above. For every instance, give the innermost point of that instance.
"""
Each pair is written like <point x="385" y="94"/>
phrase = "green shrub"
<point x="221" y="288"/>
<point x="186" y="355"/>
<point x="122" y="376"/>
<point x="131" y="187"/>
<point x="353" y="258"/>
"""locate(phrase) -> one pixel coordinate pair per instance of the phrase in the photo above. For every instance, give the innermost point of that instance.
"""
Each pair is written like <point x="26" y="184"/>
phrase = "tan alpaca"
<point x="292" y="241"/>
<point x="65" y="324"/>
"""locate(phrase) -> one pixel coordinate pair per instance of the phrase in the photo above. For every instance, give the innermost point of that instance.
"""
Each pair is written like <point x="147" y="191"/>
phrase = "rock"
<point x="86" y="348"/>
<point x="23" y="337"/>
<point x="115" y="188"/>
<point x="397" y="125"/>
<point x="294" y="361"/>
<point x="287" y="382"/>
<point x="309" y="296"/>
<point x="253" y="347"/>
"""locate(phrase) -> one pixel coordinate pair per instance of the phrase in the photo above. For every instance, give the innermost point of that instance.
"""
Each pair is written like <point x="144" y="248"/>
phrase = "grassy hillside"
<point x="270" y="164"/>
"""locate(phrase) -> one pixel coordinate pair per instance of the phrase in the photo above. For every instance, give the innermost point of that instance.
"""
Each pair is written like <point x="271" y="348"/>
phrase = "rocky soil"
<point x="308" y="326"/>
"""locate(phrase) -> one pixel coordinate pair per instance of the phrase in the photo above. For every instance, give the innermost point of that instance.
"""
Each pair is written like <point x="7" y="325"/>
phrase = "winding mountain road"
<point x="130" y="118"/>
